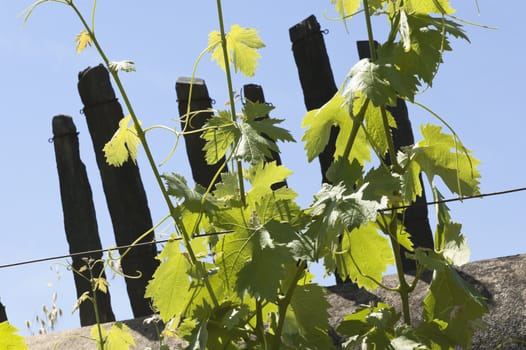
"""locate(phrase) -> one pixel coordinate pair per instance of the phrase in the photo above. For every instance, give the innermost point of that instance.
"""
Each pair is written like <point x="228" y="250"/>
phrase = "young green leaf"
<point x="455" y="301"/>
<point x="221" y="133"/>
<point x="194" y="200"/>
<point x="242" y="44"/>
<point x="125" y="66"/>
<point x="442" y="7"/>
<point x="123" y="144"/>
<point x="83" y="40"/>
<point x="364" y="252"/>
<point x="9" y="339"/>
<point x="319" y="123"/>
<point x="262" y="176"/>
<point x="118" y="338"/>
<point x="170" y="285"/>
<point x="443" y="155"/>
<point x="346" y="8"/>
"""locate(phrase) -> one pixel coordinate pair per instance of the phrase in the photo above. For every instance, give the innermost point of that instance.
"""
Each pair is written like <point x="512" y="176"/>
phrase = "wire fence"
<point x="131" y="246"/>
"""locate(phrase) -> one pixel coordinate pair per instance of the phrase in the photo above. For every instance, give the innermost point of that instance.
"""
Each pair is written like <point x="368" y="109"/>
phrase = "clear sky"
<point x="478" y="91"/>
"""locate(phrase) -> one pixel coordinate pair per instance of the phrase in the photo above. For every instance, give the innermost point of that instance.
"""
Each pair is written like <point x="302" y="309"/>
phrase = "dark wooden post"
<point x="315" y="73"/>
<point x="254" y="93"/>
<point x="415" y="217"/>
<point x="317" y="81"/>
<point x="3" y="314"/>
<point x="202" y="172"/>
<point x="80" y="222"/>
<point x="125" y="196"/>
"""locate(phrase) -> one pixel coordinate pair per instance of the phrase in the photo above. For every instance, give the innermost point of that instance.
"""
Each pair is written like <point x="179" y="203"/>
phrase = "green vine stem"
<point x="230" y="92"/>
<point x="149" y="156"/>
<point x="357" y="122"/>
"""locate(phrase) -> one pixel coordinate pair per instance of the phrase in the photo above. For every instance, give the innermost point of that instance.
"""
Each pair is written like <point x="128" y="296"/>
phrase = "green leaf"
<point x="428" y="7"/>
<point x="169" y="287"/>
<point x="364" y="252"/>
<point x="123" y="144"/>
<point x="194" y="200"/>
<point x="346" y="7"/>
<point x="309" y="309"/>
<point x="373" y="327"/>
<point x="220" y="134"/>
<point x="242" y="45"/>
<point x="83" y="40"/>
<point x="336" y="208"/>
<point x="411" y="186"/>
<point x="443" y="155"/>
<point x="454" y="245"/>
<point x="262" y="176"/>
<point x="319" y="123"/>
<point x="260" y="277"/>
<point x="456" y="302"/>
<point x="118" y="338"/>
<point x="9" y="339"/>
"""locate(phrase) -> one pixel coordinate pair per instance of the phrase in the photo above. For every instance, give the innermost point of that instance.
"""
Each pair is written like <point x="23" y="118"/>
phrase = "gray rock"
<point x="501" y="280"/>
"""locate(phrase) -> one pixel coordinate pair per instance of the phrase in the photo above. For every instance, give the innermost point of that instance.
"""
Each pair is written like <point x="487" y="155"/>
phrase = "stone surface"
<point x="501" y="280"/>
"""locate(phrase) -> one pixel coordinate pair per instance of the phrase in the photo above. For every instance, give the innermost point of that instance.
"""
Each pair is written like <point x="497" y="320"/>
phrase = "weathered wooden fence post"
<point x="415" y="217"/>
<point x="202" y="173"/>
<point x="125" y="196"/>
<point x="80" y="222"/>
<point x="315" y="73"/>
<point x="3" y="314"/>
<point x="317" y="81"/>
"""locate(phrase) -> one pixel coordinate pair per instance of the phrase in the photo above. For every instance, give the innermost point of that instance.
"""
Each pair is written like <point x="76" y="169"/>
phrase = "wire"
<point x="88" y="252"/>
<point x="96" y="251"/>
<point x="457" y="199"/>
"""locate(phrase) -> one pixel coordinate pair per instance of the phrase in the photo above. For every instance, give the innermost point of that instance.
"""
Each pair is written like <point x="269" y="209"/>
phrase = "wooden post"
<point x="125" y="196"/>
<point x="202" y="172"/>
<point x="80" y="222"/>
<point x="3" y="314"/>
<point x="315" y="73"/>
<point x="317" y="82"/>
<point x="254" y="93"/>
<point x="415" y="217"/>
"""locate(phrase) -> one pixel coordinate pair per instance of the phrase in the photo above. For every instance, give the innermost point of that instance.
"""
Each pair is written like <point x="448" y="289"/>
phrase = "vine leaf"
<point x="242" y="44"/>
<point x="319" y="123"/>
<point x="443" y="155"/>
<point x="309" y="309"/>
<point x="428" y="7"/>
<point x="125" y="66"/>
<point x="118" y="337"/>
<point x="170" y="284"/>
<point x="366" y="247"/>
<point x="9" y="339"/>
<point x="123" y="145"/>
<point x="83" y="40"/>
<point x="453" y="244"/>
<point x="454" y="301"/>
<point x="194" y="200"/>
<point x="220" y="134"/>
<point x="346" y="7"/>
<point x="262" y="176"/>
<point x="336" y="209"/>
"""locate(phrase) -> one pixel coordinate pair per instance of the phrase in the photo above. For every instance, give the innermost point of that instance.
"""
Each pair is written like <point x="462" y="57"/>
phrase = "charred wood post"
<point x="415" y="217"/>
<point x="254" y="93"/>
<point x="3" y="314"/>
<point x="125" y="196"/>
<point x="316" y="78"/>
<point x="317" y="81"/>
<point x="201" y="104"/>
<point x="80" y="222"/>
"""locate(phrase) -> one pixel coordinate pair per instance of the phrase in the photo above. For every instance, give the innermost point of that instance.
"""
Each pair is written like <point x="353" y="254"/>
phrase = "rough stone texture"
<point x="501" y="280"/>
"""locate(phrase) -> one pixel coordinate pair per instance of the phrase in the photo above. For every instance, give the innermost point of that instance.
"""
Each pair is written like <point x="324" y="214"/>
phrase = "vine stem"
<point x="230" y="92"/>
<point x="357" y="122"/>
<point x="142" y="137"/>
<point x="370" y="35"/>
<point x="284" y="303"/>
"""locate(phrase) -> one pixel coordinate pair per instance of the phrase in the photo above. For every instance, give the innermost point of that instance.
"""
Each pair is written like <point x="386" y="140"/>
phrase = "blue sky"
<point x="478" y="91"/>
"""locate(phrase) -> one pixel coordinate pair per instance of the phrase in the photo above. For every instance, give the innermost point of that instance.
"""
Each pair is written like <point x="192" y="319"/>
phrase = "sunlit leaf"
<point x="9" y="339"/>
<point x="242" y="45"/>
<point x="123" y="145"/>
<point x="83" y="40"/>
<point x="170" y="285"/>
